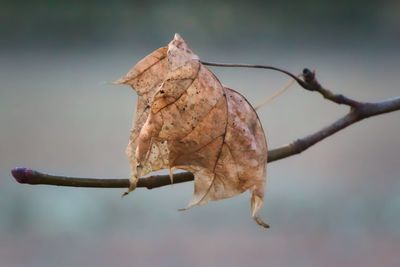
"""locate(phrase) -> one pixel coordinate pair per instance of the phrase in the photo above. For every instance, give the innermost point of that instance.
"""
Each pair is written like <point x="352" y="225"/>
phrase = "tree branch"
<point x="358" y="111"/>
<point x="364" y="110"/>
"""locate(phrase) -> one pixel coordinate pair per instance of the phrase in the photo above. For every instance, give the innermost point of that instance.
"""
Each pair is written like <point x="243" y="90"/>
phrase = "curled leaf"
<point x="187" y="120"/>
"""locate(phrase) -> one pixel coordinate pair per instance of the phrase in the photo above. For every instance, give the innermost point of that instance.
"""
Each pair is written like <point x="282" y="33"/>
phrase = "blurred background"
<point x="337" y="204"/>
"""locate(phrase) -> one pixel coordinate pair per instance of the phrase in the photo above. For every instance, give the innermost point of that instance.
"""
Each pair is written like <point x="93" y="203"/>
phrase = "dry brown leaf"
<point x="187" y="120"/>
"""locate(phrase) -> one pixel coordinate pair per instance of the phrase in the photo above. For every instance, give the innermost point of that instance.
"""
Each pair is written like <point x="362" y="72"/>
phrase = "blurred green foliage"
<point x="225" y="22"/>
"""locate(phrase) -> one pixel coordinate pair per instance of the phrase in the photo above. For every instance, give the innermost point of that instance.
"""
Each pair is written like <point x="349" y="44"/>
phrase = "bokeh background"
<point x="337" y="204"/>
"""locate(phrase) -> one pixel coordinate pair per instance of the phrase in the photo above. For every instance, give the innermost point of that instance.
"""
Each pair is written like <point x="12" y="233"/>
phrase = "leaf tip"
<point x="178" y="37"/>
<point x="120" y="81"/>
<point x="260" y="222"/>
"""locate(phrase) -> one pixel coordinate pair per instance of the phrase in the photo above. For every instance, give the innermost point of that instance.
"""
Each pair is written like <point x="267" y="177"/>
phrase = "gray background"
<point x="338" y="204"/>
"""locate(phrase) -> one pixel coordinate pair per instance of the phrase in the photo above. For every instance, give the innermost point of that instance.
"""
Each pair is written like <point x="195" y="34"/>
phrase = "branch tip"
<point x="23" y="175"/>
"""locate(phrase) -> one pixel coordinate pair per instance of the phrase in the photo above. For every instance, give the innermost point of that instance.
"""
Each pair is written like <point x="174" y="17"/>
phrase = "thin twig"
<point x="309" y="83"/>
<point x="32" y="177"/>
<point x="358" y="112"/>
<point x="214" y="64"/>
<point x="312" y="84"/>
